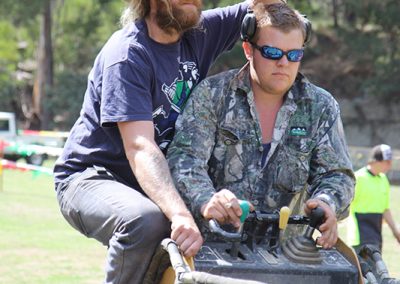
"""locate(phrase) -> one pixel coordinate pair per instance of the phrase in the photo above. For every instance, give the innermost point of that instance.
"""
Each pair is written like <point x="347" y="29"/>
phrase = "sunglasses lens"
<point x="295" y="55"/>
<point x="272" y="52"/>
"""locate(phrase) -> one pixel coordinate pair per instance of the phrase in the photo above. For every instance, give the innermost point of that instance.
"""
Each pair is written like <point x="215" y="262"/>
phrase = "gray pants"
<point x="118" y="216"/>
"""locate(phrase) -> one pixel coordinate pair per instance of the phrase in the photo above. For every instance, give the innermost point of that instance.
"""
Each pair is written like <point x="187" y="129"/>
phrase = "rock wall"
<point x="360" y="155"/>
<point x="370" y="121"/>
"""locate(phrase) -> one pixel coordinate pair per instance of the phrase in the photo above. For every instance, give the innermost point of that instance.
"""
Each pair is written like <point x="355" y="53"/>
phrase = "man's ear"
<point x="248" y="50"/>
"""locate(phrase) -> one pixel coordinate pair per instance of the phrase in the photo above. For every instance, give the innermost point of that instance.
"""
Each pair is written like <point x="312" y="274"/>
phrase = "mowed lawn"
<point x="38" y="246"/>
<point x="36" y="243"/>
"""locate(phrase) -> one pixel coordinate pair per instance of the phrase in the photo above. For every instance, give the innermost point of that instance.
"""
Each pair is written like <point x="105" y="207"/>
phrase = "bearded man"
<point x="112" y="180"/>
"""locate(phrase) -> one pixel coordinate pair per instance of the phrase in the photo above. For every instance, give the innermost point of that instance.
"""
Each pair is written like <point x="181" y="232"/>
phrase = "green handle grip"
<point x="245" y="206"/>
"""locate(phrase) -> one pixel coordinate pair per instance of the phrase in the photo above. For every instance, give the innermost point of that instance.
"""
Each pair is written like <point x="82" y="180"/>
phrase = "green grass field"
<point x="38" y="246"/>
<point x="36" y="243"/>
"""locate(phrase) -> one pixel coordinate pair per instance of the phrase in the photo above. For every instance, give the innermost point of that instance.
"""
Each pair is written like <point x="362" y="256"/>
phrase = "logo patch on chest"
<point x="298" y="131"/>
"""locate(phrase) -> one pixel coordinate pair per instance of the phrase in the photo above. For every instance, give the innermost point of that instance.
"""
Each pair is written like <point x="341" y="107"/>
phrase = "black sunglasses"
<point x="274" y="53"/>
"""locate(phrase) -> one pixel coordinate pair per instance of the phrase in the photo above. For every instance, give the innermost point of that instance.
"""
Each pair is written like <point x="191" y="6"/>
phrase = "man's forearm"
<point x="152" y="172"/>
<point x="387" y="215"/>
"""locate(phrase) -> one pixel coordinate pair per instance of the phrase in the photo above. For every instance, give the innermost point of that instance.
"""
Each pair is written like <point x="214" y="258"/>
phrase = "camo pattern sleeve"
<point x="332" y="179"/>
<point x="194" y="140"/>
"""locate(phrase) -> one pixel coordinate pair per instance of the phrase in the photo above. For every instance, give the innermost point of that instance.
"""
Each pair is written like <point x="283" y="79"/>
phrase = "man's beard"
<point x="179" y="20"/>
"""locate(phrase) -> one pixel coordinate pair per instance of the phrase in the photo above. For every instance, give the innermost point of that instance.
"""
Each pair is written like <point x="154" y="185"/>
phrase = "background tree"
<point x="80" y="29"/>
<point x="19" y="32"/>
<point x="23" y="15"/>
<point x="39" y="116"/>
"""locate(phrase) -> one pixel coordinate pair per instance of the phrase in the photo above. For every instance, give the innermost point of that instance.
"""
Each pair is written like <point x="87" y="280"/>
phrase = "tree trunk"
<point x="335" y="13"/>
<point x="44" y="76"/>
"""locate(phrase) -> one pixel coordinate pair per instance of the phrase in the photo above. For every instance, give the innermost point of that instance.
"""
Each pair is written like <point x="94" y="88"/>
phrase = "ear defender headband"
<point x="249" y="27"/>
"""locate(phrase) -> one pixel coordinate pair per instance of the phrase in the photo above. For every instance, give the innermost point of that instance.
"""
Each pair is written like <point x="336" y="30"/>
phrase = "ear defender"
<point x="308" y="26"/>
<point x="248" y="27"/>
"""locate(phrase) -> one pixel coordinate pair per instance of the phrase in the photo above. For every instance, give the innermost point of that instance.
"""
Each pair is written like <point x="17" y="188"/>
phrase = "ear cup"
<point x="248" y="27"/>
<point x="308" y="26"/>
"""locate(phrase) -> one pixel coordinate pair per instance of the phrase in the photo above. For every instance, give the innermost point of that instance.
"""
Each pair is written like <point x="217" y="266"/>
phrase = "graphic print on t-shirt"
<point x="177" y="94"/>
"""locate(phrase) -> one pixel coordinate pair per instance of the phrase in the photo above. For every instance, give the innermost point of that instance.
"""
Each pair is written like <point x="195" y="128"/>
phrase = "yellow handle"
<point x="284" y="217"/>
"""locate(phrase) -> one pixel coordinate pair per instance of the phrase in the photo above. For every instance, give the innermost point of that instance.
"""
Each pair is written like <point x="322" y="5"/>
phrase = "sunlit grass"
<point x="38" y="246"/>
<point x="36" y="243"/>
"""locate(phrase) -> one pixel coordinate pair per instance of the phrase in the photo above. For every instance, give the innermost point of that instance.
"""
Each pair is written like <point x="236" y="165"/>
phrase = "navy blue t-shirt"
<point x="137" y="79"/>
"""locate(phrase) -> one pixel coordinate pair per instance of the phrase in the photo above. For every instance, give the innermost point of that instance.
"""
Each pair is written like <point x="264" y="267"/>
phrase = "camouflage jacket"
<point x="218" y="145"/>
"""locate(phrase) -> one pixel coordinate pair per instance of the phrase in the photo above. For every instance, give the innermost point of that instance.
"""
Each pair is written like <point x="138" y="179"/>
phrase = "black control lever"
<point x="317" y="216"/>
<point x="302" y="248"/>
<point x="228" y="236"/>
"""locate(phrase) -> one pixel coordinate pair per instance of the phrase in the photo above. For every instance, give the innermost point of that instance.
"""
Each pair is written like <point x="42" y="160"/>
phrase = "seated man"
<point x="264" y="133"/>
